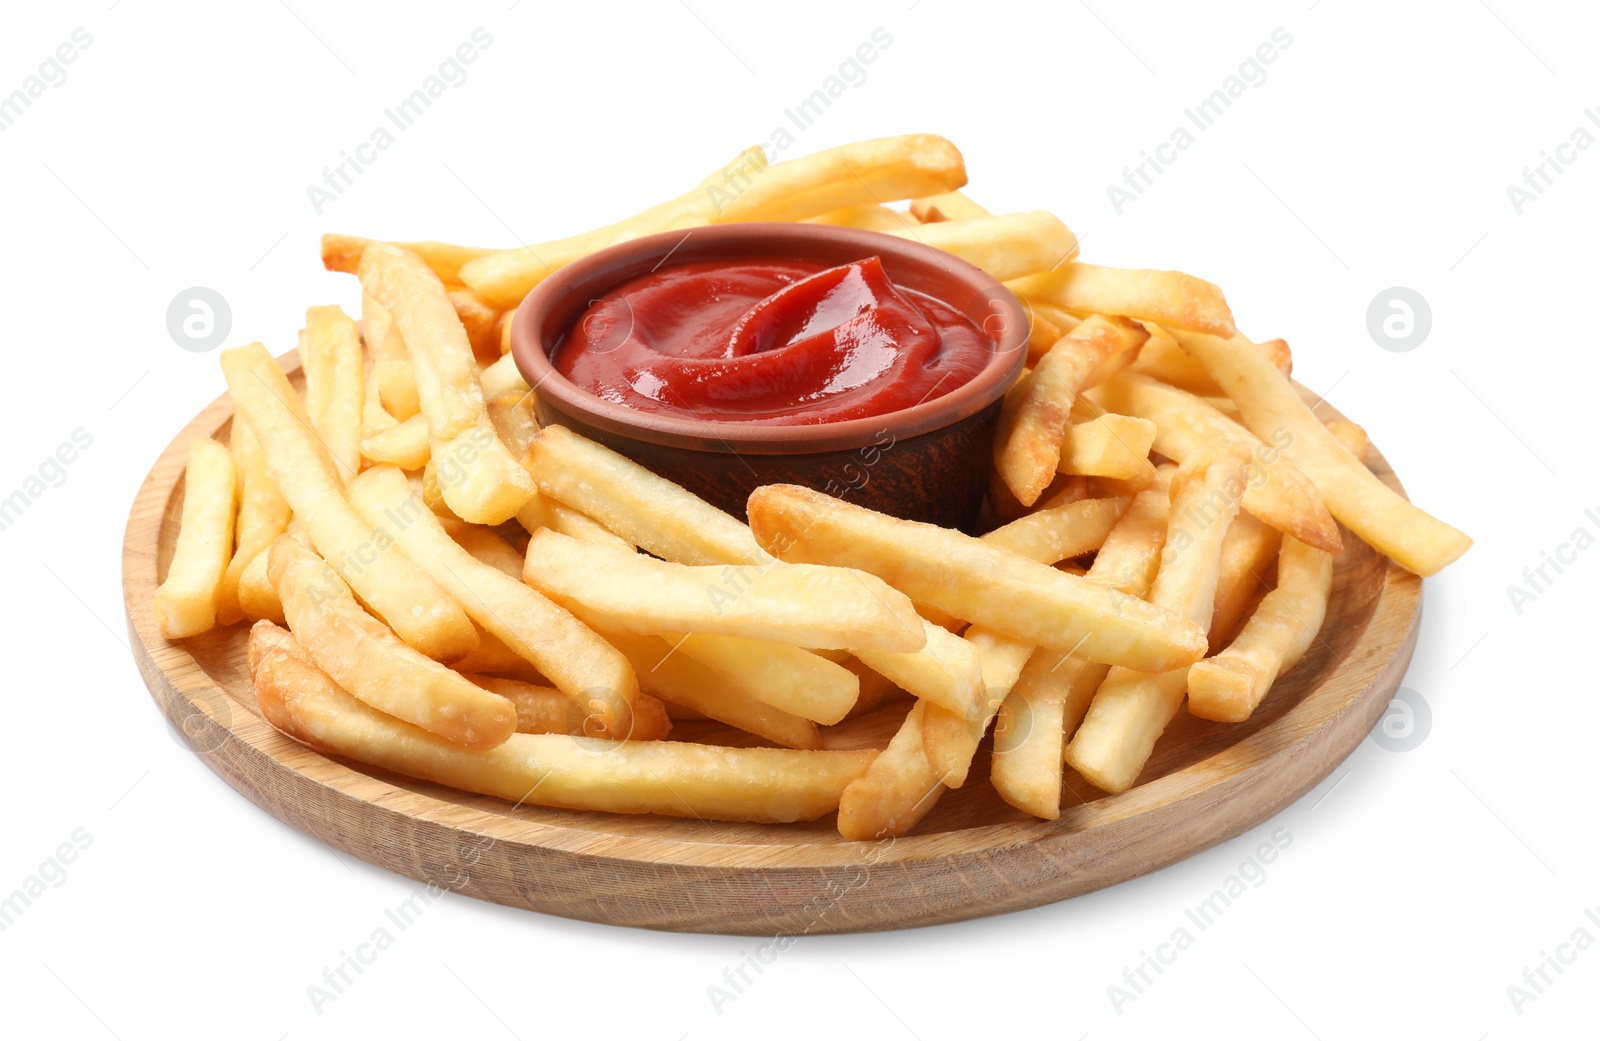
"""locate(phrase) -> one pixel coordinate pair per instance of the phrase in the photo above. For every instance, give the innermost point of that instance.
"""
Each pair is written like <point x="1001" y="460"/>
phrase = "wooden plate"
<point x="972" y="856"/>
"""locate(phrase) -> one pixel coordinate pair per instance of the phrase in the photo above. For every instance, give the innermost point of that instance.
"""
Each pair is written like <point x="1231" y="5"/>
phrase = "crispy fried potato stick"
<point x="1054" y="690"/>
<point x="1110" y="445"/>
<point x="971" y="579"/>
<point x="1131" y="709"/>
<point x="897" y="790"/>
<point x="648" y="511"/>
<point x="801" y="604"/>
<point x="546" y="710"/>
<point x="1186" y="426"/>
<point x="369" y="661"/>
<point x="569" y="653"/>
<point x="342" y="253"/>
<point x="263" y="515"/>
<point x="413" y="604"/>
<point x="1229" y="686"/>
<point x="1163" y="359"/>
<point x="949" y="206"/>
<point x="330" y="357"/>
<point x="672" y="778"/>
<point x="1052" y="534"/>
<point x="478" y="477"/>
<point x="1247" y="553"/>
<point x="1170" y="298"/>
<point x="391" y="361"/>
<point x="1033" y="421"/>
<point x="1006" y="247"/>
<point x="1378" y="514"/>
<point x="186" y="600"/>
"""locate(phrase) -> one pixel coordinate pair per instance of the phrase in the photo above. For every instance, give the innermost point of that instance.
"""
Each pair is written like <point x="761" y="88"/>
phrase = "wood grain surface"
<point x="973" y="855"/>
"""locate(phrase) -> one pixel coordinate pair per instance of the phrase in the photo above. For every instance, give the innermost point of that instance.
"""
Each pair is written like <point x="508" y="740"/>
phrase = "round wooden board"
<point x="973" y="855"/>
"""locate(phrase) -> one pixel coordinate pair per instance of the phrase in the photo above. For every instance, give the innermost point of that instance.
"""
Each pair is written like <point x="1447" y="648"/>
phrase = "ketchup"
<point x="770" y="341"/>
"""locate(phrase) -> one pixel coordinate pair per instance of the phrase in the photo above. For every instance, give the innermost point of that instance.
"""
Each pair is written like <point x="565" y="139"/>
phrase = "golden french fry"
<point x="262" y="517"/>
<point x="950" y="740"/>
<point x="648" y="511"/>
<point x="370" y="662"/>
<point x="481" y="322"/>
<point x="478" y="478"/>
<point x="1170" y="298"/>
<point x="1352" y="435"/>
<point x="572" y="655"/>
<point x="1276" y="492"/>
<point x="896" y="791"/>
<point x="1055" y="533"/>
<point x="971" y="579"/>
<point x="494" y="658"/>
<point x="404" y="445"/>
<point x="672" y="778"/>
<point x="413" y="604"/>
<point x="330" y="357"/>
<point x="546" y="710"/>
<point x="391" y="361"/>
<point x="513" y="419"/>
<point x="342" y="253"/>
<point x="886" y="169"/>
<point x="680" y="680"/>
<point x="258" y="601"/>
<point x="1111" y="445"/>
<point x="503" y="377"/>
<point x="502" y="330"/>
<point x="1378" y="514"/>
<point x="1006" y="247"/>
<point x="186" y="600"/>
<point x="503" y="277"/>
<point x="1229" y="686"/>
<point x="786" y="677"/>
<point x="374" y="417"/>
<point x="1163" y="359"/>
<point x="1033" y="421"/>
<point x="949" y="206"/>
<point x="1131" y="709"/>
<point x="487" y="547"/>
<point x="541" y="511"/>
<point x="1042" y="335"/>
<point x="802" y="604"/>
<point x="1054" y="691"/>
<point x="1247" y="552"/>
<point x="945" y="671"/>
<point x="871" y="217"/>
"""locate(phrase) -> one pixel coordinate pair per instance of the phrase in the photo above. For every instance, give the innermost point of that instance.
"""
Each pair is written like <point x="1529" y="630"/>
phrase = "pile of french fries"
<point x="442" y="589"/>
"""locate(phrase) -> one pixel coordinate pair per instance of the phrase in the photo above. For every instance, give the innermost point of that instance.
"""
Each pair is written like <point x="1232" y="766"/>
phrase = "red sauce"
<point x="770" y="341"/>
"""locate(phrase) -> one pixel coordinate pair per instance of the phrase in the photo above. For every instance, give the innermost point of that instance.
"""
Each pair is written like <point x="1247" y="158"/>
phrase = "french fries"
<point x="1055" y="533"/>
<point x="971" y="579"/>
<point x="1229" y="686"/>
<point x="1277" y="492"/>
<point x="366" y="659"/>
<point x="649" y="511"/>
<point x="478" y="477"/>
<point x="186" y="601"/>
<point x="413" y="604"/>
<point x="1412" y="538"/>
<point x="342" y="253"/>
<point x="1109" y="446"/>
<point x="801" y="604"/>
<point x="330" y="357"/>
<point x="1161" y="358"/>
<point x="262" y="517"/>
<point x="1131" y="708"/>
<point x="1033" y="421"/>
<point x="427" y="637"/>
<point x="546" y="710"/>
<point x="1006" y="247"/>
<point x="671" y="778"/>
<point x="897" y="789"/>
<point x="1053" y="691"/>
<point x="571" y="655"/>
<point x="680" y="680"/>
<point x="1169" y="298"/>
<point x="949" y="206"/>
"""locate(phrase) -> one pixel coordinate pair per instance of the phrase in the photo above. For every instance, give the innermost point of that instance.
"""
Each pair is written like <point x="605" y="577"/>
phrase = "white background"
<point x="1377" y="152"/>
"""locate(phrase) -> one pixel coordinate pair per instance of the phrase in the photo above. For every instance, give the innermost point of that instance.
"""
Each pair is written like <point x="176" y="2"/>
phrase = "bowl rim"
<point x="550" y="305"/>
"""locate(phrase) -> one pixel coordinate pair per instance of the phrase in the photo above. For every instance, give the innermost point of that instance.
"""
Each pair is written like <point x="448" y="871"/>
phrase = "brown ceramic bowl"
<point x="924" y="463"/>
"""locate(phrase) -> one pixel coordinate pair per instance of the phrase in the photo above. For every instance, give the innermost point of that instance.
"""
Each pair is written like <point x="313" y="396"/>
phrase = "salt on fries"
<point x="1165" y="507"/>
